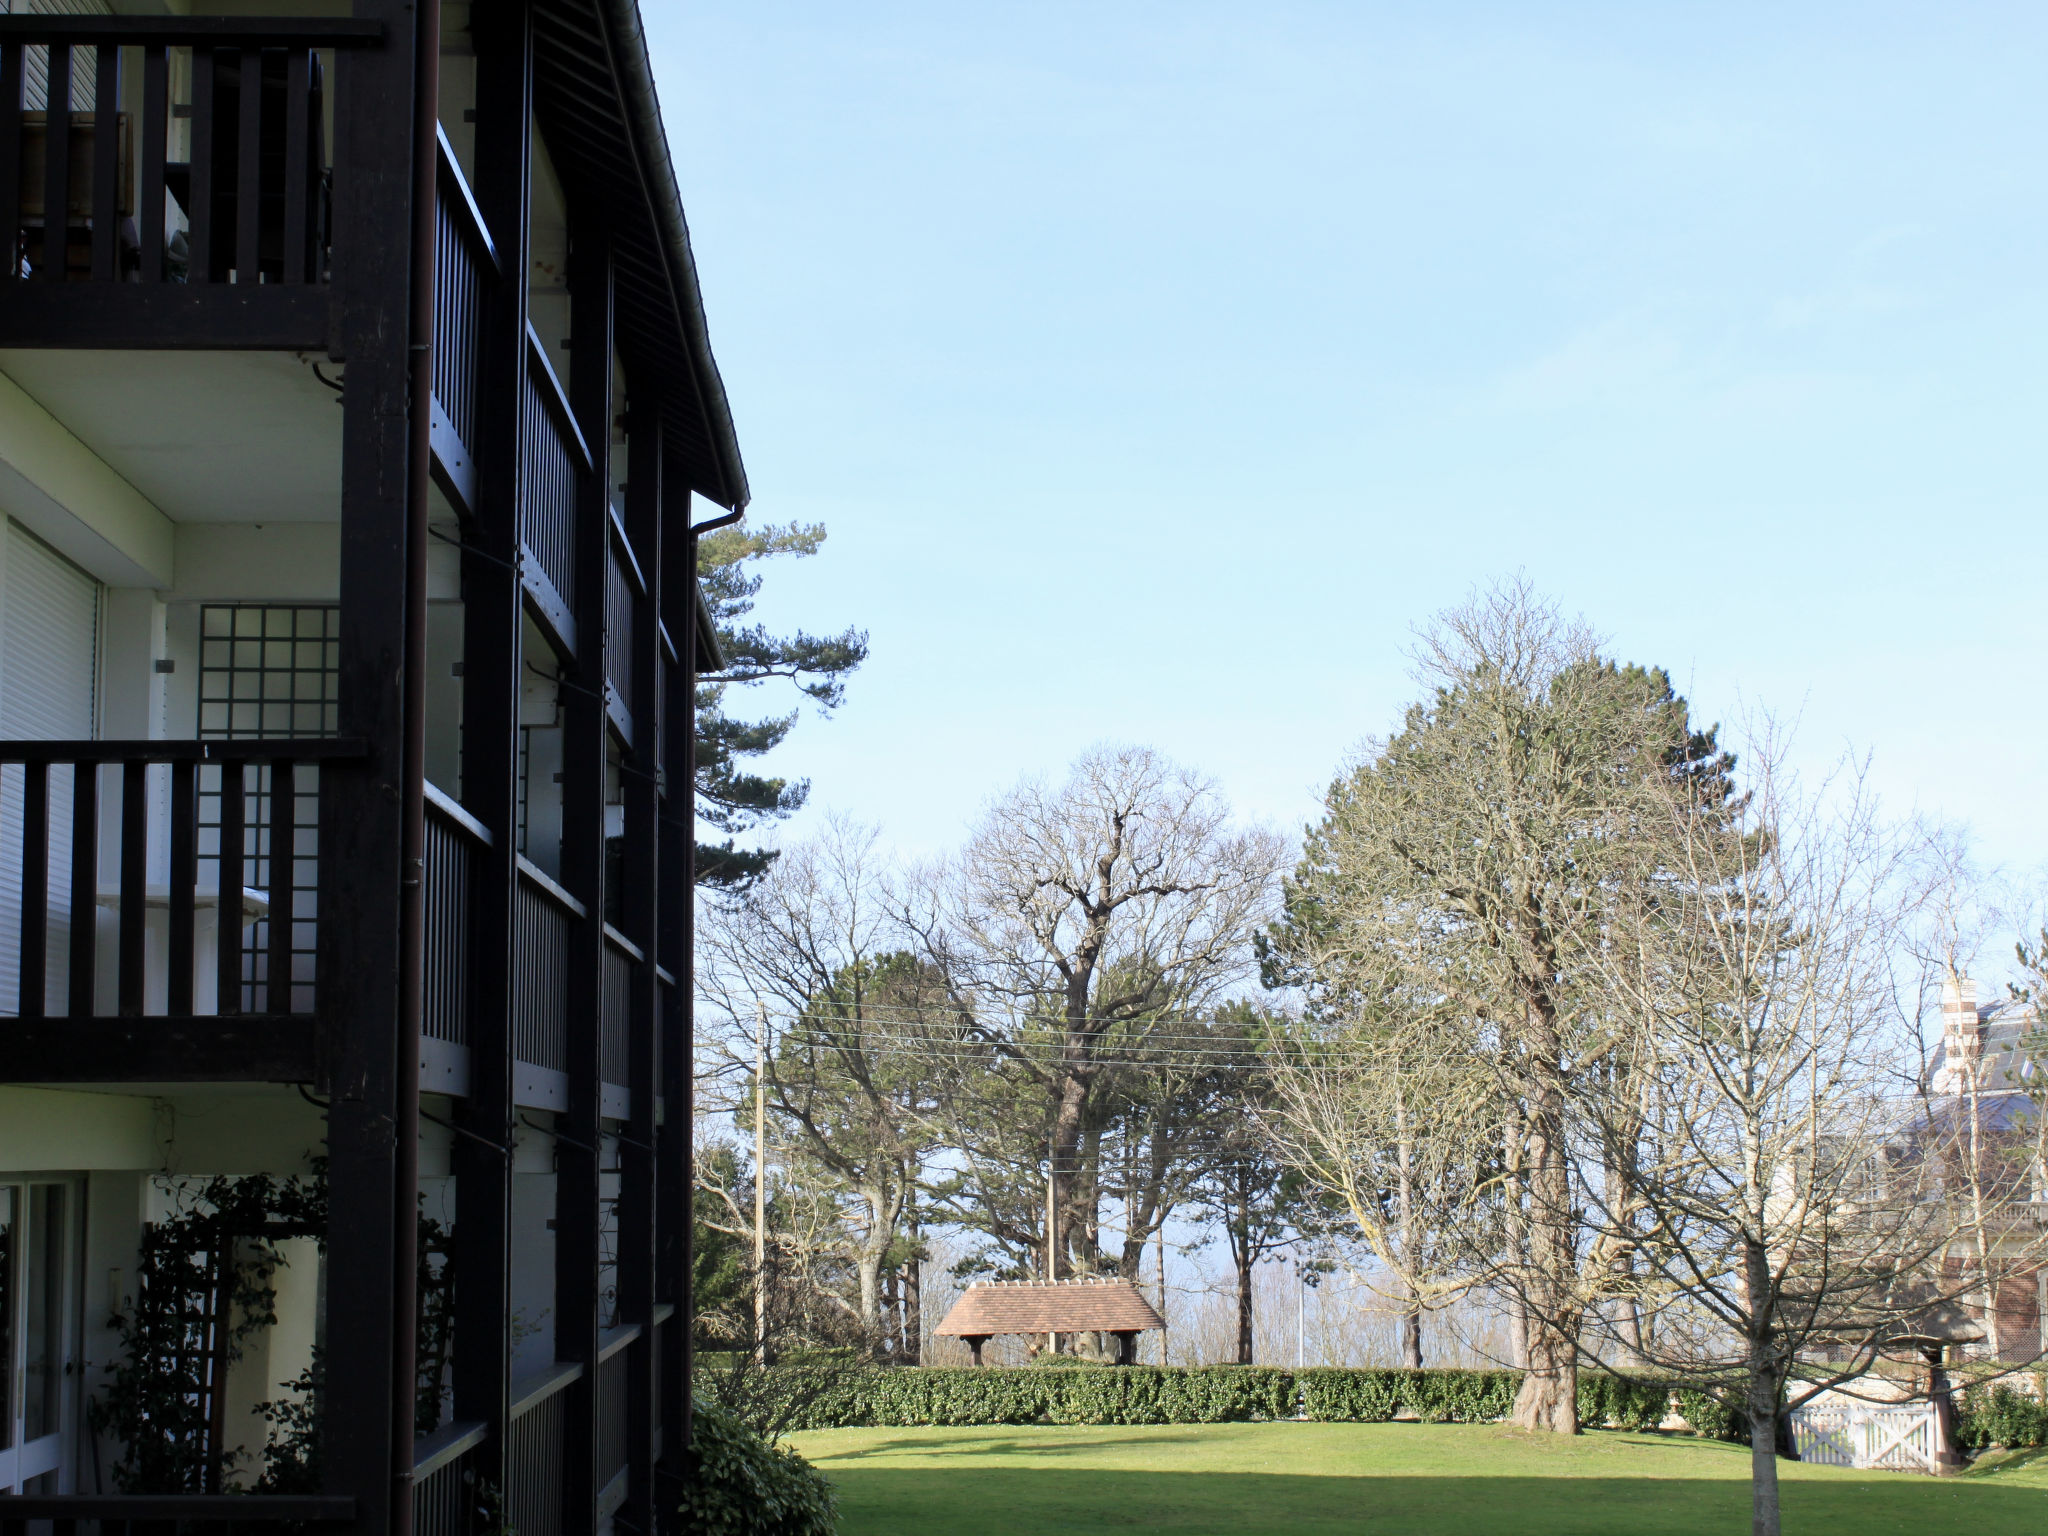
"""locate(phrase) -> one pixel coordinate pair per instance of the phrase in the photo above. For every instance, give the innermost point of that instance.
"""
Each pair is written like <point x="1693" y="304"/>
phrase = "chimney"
<point x="1962" y="1035"/>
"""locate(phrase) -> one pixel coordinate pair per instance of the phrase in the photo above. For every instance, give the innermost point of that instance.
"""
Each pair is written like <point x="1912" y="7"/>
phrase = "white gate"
<point x="1895" y="1436"/>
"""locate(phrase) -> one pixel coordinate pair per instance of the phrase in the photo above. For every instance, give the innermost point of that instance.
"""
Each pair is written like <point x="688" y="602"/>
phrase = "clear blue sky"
<point x="1155" y="367"/>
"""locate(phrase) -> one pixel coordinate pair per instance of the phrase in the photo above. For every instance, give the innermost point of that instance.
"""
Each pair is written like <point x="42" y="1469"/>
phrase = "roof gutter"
<point x="627" y="41"/>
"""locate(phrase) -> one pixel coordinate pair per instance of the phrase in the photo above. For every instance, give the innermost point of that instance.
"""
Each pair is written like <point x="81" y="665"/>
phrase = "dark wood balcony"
<point x="167" y="182"/>
<point x="200" y="969"/>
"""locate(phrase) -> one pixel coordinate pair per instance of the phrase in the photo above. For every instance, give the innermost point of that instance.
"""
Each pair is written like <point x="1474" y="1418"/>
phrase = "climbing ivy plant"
<point x="205" y="1288"/>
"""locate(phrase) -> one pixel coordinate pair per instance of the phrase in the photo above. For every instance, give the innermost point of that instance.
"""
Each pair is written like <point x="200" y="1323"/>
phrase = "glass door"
<point x="38" y="1220"/>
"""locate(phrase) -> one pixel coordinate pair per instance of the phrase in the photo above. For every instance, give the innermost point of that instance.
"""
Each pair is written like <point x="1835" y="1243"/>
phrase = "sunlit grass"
<point x="1431" y="1480"/>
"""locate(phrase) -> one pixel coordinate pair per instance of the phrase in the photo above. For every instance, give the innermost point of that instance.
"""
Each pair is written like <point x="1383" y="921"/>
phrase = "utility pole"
<point x="1300" y="1316"/>
<point x="761" y="1182"/>
<point x="1165" y="1349"/>
<point x="1052" y="1261"/>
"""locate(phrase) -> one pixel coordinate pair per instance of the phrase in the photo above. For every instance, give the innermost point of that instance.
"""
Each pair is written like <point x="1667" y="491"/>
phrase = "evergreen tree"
<point x="732" y="798"/>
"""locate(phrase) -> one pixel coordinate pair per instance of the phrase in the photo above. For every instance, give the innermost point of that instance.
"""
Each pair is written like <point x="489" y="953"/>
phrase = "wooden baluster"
<point x="85" y="885"/>
<point x="248" y="169"/>
<point x="134" y="885"/>
<point x="10" y="158"/>
<point x="228" y="960"/>
<point x="155" y="136"/>
<point x="199" y="236"/>
<point x="56" y="164"/>
<point x="298" y="69"/>
<point x="106" y="165"/>
<point x="35" y="890"/>
<point x="283" y="830"/>
<point x="184" y="881"/>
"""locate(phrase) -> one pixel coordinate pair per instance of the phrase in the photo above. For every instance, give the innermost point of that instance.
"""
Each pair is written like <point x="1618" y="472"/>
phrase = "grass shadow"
<point x="1041" y="1501"/>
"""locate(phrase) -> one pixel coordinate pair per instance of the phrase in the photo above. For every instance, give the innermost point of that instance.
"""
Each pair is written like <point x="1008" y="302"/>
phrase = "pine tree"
<point x="732" y="798"/>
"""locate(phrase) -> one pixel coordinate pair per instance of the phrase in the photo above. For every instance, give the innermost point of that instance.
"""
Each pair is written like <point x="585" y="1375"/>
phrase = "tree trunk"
<point x="913" y="1297"/>
<point x="1411" y="1313"/>
<point x="867" y="1266"/>
<point x="1549" y="1398"/>
<point x="1763" y="1457"/>
<point x="892" y="1318"/>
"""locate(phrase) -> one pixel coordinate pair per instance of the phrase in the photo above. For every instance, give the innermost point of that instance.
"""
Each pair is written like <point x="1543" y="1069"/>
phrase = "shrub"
<point x="1710" y="1417"/>
<point x="2001" y="1417"/>
<point x="737" y="1484"/>
<point x="1625" y="1401"/>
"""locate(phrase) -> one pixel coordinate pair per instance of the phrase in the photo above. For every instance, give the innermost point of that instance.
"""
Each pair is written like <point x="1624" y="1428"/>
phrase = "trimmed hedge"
<point x="1336" y="1395"/>
<point x="1216" y="1394"/>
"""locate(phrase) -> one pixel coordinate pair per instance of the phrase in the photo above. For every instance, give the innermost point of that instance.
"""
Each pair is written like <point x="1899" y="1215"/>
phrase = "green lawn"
<point x="1456" y="1480"/>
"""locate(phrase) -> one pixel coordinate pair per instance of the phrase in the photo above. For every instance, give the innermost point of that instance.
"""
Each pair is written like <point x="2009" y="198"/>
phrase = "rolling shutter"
<point x="49" y="628"/>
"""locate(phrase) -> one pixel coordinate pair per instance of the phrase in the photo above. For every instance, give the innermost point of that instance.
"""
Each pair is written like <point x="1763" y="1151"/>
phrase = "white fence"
<point x="1899" y="1437"/>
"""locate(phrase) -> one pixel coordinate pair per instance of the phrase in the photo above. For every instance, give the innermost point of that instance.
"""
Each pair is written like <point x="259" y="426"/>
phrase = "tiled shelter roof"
<point x="1060" y="1306"/>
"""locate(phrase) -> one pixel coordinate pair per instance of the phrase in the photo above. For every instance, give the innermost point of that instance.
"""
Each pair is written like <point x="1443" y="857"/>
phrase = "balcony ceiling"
<point x="210" y="437"/>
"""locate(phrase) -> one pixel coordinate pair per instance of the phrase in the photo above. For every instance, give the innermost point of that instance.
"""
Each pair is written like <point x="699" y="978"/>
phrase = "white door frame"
<point x="52" y="1451"/>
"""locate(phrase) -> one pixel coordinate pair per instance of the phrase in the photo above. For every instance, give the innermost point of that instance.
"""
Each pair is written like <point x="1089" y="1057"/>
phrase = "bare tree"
<point x="808" y="949"/>
<point x="1367" y="1102"/>
<point x="1077" y="924"/>
<point x="1787" y="1199"/>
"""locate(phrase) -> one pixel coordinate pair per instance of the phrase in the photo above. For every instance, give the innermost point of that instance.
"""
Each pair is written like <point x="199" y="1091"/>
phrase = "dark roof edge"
<point x="642" y="107"/>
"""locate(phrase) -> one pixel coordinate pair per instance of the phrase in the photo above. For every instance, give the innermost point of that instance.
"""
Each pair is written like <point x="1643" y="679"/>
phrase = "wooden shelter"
<point x="1111" y="1306"/>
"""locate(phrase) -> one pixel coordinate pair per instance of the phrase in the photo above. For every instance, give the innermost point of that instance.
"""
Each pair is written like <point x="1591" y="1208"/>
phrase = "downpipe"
<point x="413" y="765"/>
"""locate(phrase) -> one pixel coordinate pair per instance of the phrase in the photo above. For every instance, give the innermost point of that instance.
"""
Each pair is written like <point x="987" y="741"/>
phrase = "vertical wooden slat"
<point x="85" y="883"/>
<point x="298" y="69"/>
<point x="106" y="163"/>
<point x="228" y="958"/>
<point x="35" y="889"/>
<point x="249" y="168"/>
<point x="10" y="157"/>
<point x="184" y="877"/>
<point x="199" y="237"/>
<point x="134" y="885"/>
<point x="154" y="145"/>
<point x="56" y="164"/>
<point x="283" y="838"/>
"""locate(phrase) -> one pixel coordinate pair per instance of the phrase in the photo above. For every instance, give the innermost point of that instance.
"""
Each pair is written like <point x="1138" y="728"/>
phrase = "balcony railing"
<point x="444" y="1502"/>
<point x="465" y="264"/>
<point x="615" y="1043"/>
<point x="614" y="1399"/>
<point x="454" y="840"/>
<point x="535" y="1447"/>
<point x="624" y="590"/>
<point x="543" y="917"/>
<point x="220" y="921"/>
<point x="554" y="456"/>
<point x="221" y="177"/>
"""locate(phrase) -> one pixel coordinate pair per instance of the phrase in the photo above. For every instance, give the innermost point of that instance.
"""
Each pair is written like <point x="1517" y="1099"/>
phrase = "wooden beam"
<point x="159" y="317"/>
<point x="237" y="1048"/>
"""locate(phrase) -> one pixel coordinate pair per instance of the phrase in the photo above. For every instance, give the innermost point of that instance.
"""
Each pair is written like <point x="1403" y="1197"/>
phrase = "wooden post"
<point x="584" y="738"/>
<point x="490" y="736"/>
<point x="639" y="906"/>
<point x="360" y="803"/>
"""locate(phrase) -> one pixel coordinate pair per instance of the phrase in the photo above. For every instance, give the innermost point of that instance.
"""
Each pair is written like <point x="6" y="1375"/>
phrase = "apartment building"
<point x="357" y="423"/>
